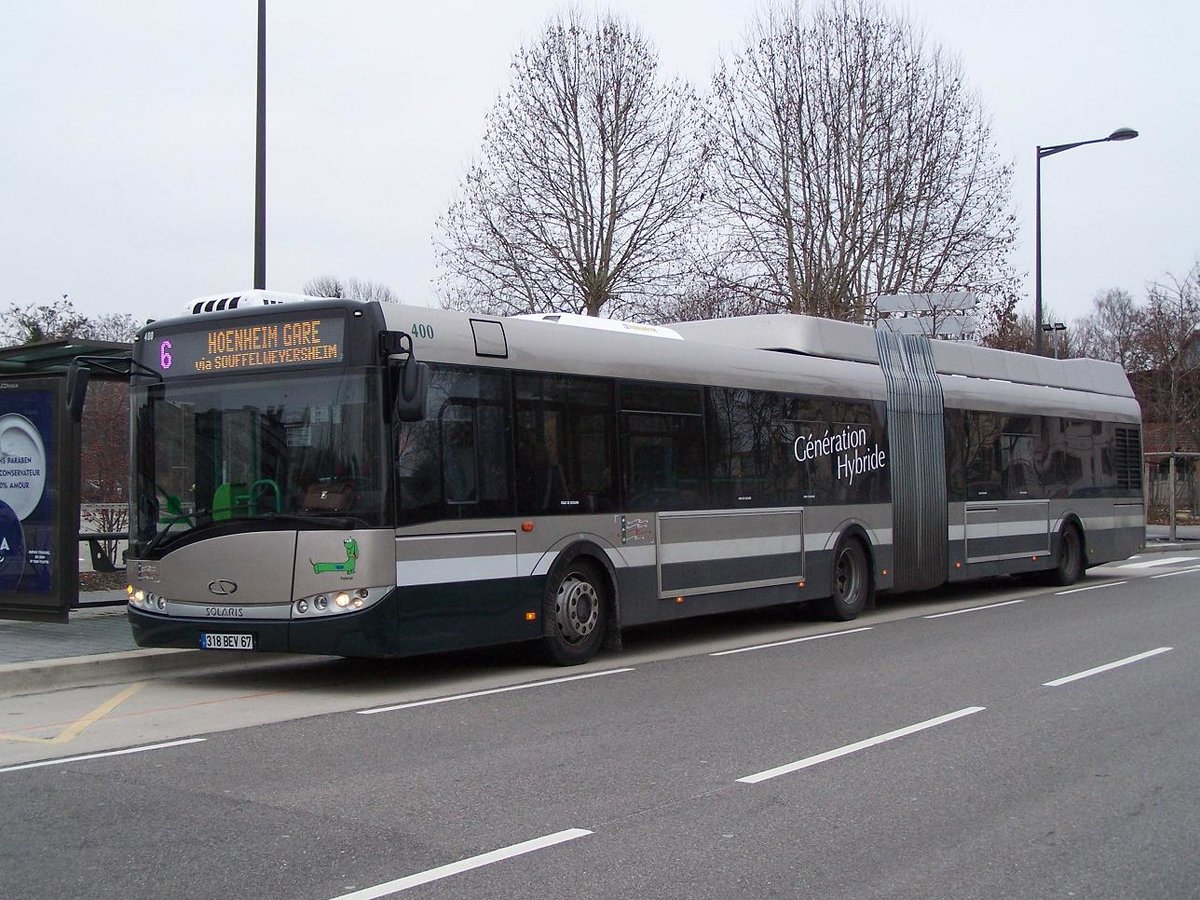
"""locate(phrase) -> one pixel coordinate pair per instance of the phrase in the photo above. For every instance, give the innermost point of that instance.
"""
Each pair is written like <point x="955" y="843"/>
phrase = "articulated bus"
<point x="377" y="480"/>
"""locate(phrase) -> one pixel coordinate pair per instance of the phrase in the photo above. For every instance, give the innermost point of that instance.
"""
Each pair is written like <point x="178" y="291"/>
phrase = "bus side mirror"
<point x="77" y="382"/>
<point x="412" y="391"/>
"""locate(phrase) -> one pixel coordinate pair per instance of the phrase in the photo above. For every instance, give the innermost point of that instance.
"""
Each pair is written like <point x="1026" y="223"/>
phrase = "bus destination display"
<point x="274" y="344"/>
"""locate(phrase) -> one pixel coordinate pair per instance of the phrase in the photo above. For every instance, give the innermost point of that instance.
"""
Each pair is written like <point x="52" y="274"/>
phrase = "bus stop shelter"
<point x="39" y="479"/>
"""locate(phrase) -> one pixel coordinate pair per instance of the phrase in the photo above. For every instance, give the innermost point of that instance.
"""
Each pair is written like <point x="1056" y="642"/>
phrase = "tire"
<point x="1068" y="563"/>
<point x="574" y="612"/>
<point x="850" y="589"/>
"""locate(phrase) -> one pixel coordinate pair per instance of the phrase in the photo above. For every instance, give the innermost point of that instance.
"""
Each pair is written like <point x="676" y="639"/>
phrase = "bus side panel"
<point x="639" y="605"/>
<point x="1010" y="529"/>
<point x="461" y="590"/>
<point x="1000" y="539"/>
<point x="710" y="552"/>
<point x="722" y="561"/>
<point x="1113" y="529"/>
<point x="457" y="615"/>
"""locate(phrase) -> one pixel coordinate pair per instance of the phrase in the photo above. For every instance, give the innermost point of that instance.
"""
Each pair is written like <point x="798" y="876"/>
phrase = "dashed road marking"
<point x="464" y="865"/>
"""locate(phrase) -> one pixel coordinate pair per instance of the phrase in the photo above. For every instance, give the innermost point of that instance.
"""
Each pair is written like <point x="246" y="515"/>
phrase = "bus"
<point x="366" y="479"/>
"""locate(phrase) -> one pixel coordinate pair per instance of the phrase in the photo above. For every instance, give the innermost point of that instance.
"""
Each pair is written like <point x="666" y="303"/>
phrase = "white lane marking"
<point x="860" y="745"/>
<point x="465" y="865"/>
<point x="70" y="759"/>
<point x="501" y="690"/>
<point x="1092" y="587"/>
<point x="1151" y="563"/>
<point x="1112" y="665"/>
<point x="814" y="637"/>
<point x="1178" y="572"/>
<point x="959" y="612"/>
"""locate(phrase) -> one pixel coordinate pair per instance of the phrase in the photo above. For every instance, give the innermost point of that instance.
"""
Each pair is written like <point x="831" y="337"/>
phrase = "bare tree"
<point x="1001" y="327"/>
<point x="59" y="320"/>
<point x="586" y="181"/>
<point x="104" y="460"/>
<point x="1007" y="329"/>
<point x="1172" y="346"/>
<point x="1115" y="331"/>
<point x="350" y="288"/>
<point x="37" y="322"/>
<point x="850" y="160"/>
<point x="117" y="327"/>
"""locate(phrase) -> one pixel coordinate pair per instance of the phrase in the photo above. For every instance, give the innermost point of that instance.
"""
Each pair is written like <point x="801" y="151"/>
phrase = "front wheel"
<point x="851" y="588"/>
<point x="575" y="610"/>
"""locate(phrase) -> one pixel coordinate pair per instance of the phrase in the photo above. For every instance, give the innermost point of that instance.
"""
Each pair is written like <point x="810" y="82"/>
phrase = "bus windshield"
<point x="256" y="452"/>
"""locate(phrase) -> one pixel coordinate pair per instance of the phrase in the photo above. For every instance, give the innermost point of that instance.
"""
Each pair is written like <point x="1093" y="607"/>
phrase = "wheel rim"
<point x="847" y="577"/>
<point x="576" y="608"/>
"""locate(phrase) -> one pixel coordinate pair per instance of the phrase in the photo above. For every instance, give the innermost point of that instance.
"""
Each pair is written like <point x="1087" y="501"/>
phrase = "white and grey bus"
<point x="364" y="479"/>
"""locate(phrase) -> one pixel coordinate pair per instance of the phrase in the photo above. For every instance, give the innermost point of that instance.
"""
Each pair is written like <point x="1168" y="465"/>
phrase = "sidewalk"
<point x="95" y="647"/>
<point x="92" y="629"/>
<point x="1159" y="534"/>
<point x="97" y="642"/>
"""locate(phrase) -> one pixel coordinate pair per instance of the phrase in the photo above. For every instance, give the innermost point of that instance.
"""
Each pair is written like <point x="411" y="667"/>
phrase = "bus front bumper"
<point x="367" y="633"/>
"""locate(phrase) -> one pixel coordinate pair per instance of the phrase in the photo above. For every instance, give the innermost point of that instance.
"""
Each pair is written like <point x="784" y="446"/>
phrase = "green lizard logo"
<point x="351" y="561"/>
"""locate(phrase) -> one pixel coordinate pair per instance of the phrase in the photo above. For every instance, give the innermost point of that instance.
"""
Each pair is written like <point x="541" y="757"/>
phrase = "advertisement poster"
<point x="38" y="574"/>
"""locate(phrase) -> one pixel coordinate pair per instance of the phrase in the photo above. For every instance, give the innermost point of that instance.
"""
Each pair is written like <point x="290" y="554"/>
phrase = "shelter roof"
<point x="54" y="357"/>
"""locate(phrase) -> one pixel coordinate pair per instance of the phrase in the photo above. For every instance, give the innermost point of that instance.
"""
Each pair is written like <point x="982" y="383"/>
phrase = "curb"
<point x="1165" y="545"/>
<point x="81" y="671"/>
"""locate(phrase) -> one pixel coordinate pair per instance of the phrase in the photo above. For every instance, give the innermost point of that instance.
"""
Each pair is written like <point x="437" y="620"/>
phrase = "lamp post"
<point x="1048" y="327"/>
<point x="1121" y="134"/>
<point x="260" y="156"/>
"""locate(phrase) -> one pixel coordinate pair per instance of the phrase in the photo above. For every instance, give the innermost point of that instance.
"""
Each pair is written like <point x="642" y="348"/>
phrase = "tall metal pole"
<point x="1121" y="134"/>
<point x="1037" y="256"/>
<point x="260" y="157"/>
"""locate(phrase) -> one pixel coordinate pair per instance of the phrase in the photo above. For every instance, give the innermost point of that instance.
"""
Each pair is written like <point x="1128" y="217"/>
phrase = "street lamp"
<point x="1054" y="326"/>
<point x="1121" y="134"/>
<point x="260" y="156"/>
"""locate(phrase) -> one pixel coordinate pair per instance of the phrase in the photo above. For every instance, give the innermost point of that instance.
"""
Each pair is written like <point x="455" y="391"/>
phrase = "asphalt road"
<point x="996" y="742"/>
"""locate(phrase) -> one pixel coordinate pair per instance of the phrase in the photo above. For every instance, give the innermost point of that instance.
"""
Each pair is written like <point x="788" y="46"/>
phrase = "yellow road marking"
<point x="77" y="727"/>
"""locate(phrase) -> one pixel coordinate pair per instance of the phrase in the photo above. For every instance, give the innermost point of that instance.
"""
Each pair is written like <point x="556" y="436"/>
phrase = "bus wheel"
<point x="1069" y="562"/>
<point x="851" y="588"/>
<point x="575" y="608"/>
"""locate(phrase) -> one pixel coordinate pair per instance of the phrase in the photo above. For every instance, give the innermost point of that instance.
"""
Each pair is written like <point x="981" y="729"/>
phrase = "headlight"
<point x="353" y="600"/>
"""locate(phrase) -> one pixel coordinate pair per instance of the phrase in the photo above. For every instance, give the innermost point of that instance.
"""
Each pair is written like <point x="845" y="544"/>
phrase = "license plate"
<point x="226" y="642"/>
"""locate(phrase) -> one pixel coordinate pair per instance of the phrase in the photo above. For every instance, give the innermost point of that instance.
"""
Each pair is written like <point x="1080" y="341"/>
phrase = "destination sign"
<point x="274" y="344"/>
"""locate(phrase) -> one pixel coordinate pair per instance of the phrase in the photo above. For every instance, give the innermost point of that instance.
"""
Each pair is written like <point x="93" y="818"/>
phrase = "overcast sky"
<point x="127" y="158"/>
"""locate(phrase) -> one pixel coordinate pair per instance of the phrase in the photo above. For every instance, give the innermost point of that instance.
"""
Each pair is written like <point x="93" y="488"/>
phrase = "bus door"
<point x="457" y="562"/>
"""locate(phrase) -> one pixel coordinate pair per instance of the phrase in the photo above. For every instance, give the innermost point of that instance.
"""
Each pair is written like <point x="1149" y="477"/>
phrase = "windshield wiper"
<point x="161" y="537"/>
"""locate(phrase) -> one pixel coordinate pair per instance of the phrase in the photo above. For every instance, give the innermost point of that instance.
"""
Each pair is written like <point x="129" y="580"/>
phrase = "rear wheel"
<point x="851" y="588"/>
<point x="1068" y="566"/>
<point x="575" y="610"/>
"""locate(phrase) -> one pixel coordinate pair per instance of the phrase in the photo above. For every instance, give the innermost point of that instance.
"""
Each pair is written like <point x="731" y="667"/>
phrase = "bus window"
<point x="565" y="444"/>
<point x="455" y="462"/>
<point x="459" y="464"/>
<point x="749" y="446"/>
<point x="983" y="456"/>
<point x="662" y="435"/>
